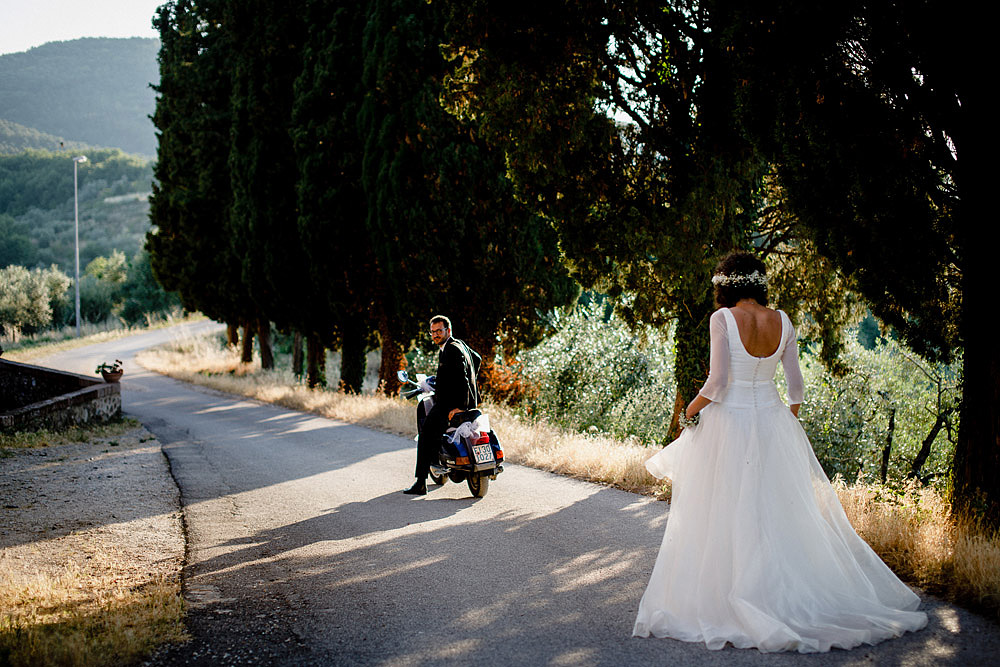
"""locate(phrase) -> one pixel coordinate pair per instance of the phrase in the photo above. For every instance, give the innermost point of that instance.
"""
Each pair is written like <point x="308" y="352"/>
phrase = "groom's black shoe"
<point x="419" y="488"/>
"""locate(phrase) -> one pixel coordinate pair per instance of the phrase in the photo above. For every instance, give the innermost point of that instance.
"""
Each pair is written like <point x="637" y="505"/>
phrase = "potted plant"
<point x="111" y="372"/>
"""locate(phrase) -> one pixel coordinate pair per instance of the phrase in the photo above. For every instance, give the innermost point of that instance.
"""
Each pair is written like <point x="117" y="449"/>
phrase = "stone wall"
<point x="33" y="397"/>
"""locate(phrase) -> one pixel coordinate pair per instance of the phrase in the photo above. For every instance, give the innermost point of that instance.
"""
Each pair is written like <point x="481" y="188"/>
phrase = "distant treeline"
<point x="36" y="206"/>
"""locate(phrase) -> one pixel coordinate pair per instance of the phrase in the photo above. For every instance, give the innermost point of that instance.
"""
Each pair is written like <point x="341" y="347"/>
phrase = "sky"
<point x="28" y="23"/>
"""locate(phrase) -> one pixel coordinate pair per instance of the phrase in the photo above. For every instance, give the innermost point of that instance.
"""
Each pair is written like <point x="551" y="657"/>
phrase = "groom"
<point x="455" y="391"/>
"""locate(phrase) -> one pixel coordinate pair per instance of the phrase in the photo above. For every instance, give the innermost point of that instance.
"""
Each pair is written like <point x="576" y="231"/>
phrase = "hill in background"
<point x="16" y="138"/>
<point x="92" y="90"/>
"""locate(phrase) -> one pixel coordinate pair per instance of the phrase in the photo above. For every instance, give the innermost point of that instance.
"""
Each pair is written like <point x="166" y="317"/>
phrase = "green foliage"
<point x="401" y="212"/>
<point x="144" y="297"/>
<point x="862" y="124"/>
<point x="94" y="90"/>
<point x="643" y="210"/>
<point x="596" y="372"/>
<point x="28" y="298"/>
<point x="17" y="247"/>
<point x="44" y="180"/>
<point x="847" y="416"/>
<point x="97" y="298"/>
<point x="102" y="287"/>
<point x="333" y="211"/>
<point x="36" y="190"/>
<point x="112" y="269"/>
<point x="58" y="285"/>
<point x="861" y="110"/>
<point x="264" y="58"/>
<point x="440" y="204"/>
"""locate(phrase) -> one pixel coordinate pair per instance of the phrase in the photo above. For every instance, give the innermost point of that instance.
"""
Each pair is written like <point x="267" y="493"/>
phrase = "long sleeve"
<point x="793" y="374"/>
<point x="718" y="368"/>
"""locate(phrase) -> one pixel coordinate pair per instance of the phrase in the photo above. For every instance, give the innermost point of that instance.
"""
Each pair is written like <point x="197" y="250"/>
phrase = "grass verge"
<point x="913" y="531"/>
<point x="73" y="434"/>
<point x="95" y="614"/>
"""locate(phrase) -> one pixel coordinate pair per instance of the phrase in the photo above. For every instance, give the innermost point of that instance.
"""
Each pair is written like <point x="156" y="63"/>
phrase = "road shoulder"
<point x="91" y="543"/>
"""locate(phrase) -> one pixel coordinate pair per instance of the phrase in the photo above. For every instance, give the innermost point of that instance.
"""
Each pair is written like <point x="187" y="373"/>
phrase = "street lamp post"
<point x="76" y="237"/>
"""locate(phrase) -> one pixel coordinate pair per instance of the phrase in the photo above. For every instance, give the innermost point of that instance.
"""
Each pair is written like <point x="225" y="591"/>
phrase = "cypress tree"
<point x="189" y="244"/>
<point x="265" y="59"/>
<point x="331" y="203"/>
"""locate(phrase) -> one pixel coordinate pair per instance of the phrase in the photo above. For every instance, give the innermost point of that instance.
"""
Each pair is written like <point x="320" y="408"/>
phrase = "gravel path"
<point x="70" y="502"/>
<point x="302" y="550"/>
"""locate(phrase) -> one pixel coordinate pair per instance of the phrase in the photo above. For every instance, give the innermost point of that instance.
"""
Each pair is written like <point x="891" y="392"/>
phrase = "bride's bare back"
<point x="759" y="326"/>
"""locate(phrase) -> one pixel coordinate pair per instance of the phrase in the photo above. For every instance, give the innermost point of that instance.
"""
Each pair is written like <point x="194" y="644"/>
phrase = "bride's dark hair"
<point x="739" y="275"/>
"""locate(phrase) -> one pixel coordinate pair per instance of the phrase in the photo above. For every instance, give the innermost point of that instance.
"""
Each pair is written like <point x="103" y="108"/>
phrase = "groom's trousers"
<point x="429" y="440"/>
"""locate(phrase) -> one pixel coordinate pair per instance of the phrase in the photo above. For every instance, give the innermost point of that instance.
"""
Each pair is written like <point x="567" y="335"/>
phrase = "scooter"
<point x="469" y="451"/>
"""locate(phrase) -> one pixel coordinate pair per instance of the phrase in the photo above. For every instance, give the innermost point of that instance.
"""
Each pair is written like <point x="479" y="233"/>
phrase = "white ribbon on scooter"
<point x="471" y="429"/>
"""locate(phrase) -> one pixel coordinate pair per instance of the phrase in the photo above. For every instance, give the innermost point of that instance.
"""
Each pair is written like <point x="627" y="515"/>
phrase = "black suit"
<point x="458" y="366"/>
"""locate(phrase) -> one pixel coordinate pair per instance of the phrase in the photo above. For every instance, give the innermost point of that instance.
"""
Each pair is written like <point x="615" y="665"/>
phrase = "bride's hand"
<point x="795" y="409"/>
<point x="696" y="405"/>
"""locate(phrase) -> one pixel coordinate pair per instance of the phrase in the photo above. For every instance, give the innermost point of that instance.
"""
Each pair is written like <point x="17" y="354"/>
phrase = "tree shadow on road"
<point x="388" y="581"/>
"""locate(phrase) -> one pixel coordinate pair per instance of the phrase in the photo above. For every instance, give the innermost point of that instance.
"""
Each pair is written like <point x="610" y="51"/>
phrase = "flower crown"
<point x="755" y="278"/>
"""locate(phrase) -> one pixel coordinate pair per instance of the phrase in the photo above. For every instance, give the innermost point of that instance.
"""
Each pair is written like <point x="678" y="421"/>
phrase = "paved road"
<point x="302" y="550"/>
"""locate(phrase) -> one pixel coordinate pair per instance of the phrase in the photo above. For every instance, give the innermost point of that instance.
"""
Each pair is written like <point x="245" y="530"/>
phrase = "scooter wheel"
<point x="438" y="479"/>
<point x="478" y="485"/>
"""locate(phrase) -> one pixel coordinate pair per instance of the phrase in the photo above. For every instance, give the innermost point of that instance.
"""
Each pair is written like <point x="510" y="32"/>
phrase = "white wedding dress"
<point x="757" y="550"/>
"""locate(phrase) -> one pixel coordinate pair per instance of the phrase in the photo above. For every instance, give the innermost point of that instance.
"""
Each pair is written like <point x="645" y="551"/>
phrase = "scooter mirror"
<point x="403" y="376"/>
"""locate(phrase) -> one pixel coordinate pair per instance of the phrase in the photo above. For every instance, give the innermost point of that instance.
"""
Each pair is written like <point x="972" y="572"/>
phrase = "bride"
<point x="757" y="550"/>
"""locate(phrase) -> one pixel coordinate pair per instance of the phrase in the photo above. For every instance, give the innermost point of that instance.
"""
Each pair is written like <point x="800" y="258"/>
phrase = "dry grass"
<point x="913" y="532"/>
<point x="94" y="612"/>
<point x="201" y="361"/>
<point x="596" y="458"/>
<point x="46" y="438"/>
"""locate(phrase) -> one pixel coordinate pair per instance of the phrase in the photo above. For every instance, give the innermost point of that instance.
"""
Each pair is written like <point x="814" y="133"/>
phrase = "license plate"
<point x="483" y="453"/>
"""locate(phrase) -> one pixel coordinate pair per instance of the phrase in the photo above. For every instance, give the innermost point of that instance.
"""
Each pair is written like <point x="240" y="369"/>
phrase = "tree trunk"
<point x="246" y="355"/>
<point x="925" y="449"/>
<point x="264" y="340"/>
<point x="232" y="334"/>
<point x="692" y="345"/>
<point x="887" y="450"/>
<point x="297" y="355"/>
<point x="976" y="476"/>
<point x="392" y="359"/>
<point x="315" y="362"/>
<point x="352" y="356"/>
<point x="977" y="453"/>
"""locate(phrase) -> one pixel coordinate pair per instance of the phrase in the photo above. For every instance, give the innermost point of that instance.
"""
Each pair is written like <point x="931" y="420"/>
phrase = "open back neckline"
<point x="739" y="336"/>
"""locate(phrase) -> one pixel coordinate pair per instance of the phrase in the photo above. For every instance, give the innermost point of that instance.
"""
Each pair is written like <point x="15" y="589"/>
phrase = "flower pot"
<point x="112" y="376"/>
